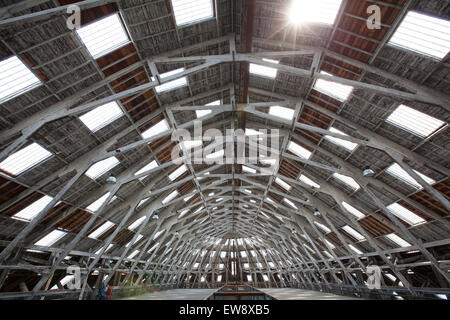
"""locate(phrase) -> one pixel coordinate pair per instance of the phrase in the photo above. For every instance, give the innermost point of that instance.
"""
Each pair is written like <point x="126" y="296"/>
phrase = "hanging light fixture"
<point x="155" y="217"/>
<point x="367" y="172"/>
<point x="294" y="231"/>
<point x="176" y="234"/>
<point x="111" y="179"/>
<point x="316" y="212"/>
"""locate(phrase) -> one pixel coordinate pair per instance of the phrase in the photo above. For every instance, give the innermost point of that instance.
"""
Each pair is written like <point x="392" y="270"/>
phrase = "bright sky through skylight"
<point x="414" y="121"/>
<point x="323" y="227"/>
<point x="171" y="85"/>
<point x="102" y="167"/>
<point x="33" y="209"/>
<point x="405" y="214"/>
<point x="102" y="229"/>
<point x="94" y="206"/>
<point x="299" y="150"/>
<point x="358" y="214"/>
<point x="317" y="11"/>
<point x="51" y="238"/>
<point x="148" y="167"/>
<point x="136" y="224"/>
<point x="397" y="240"/>
<point x="282" y="112"/>
<point x="178" y="172"/>
<point x="170" y="197"/>
<point x="290" y="203"/>
<point x="398" y="172"/>
<point x="355" y="249"/>
<point x="15" y="79"/>
<point x="308" y="181"/>
<point x="102" y="116"/>
<point x="333" y="89"/>
<point x="355" y="234"/>
<point x="347" y="180"/>
<point x="350" y="146"/>
<point x="423" y="34"/>
<point x="25" y="159"/>
<point x="283" y="184"/>
<point x="104" y="36"/>
<point x="248" y="169"/>
<point x="156" y="129"/>
<point x="191" y="11"/>
<point x="264" y="71"/>
<point x="202" y="113"/>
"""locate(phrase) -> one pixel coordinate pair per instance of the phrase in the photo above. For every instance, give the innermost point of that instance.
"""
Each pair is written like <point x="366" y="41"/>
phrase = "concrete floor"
<point x="299" y="294"/>
<point x="176" y="294"/>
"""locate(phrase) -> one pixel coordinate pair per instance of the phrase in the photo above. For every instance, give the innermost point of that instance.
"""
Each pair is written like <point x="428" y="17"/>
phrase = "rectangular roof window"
<point x="299" y="150"/>
<point x="398" y="172"/>
<point x="397" y="240"/>
<point x="355" y="249"/>
<point x="133" y="254"/>
<point x="414" y="121"/>
<point x="283" y="184"/>
<point x="109" y="247"/>
<point x="355" y="234"/>
<point x="100" y="230"/>
<point x="319" y="11"/>
<point x="202" y="113"/>
<point x="101" y="167"/>
<point x="33" y="209"/>
<point x="405" y="214"/>
<point x="178" y="172"/>
<point x="136" y="224"/>
<point x="101" y="116"/>
<point x="171" y="85"/>
<point x="142" y="202"/>
<point x="170" y="197"/>
<point x="264" y="71"/>
<point x="25" y="159"/>
<point x="323" y="227"/>
<point x="192" y="11"/>
<point x="347" y="180"/>
<point x="333" y="89"/>
<point x="51" y="238"/>
<point x="332" y="246"/>
<point x="290" y="203"/>
<point x="15" y="79"/>
<point x="147" y="167"/>
<point x="158" y="234"/>
<point x="156" y="129"/>
<point x="423" y="34"/>
<point x="248" y="169"/>
<point x="282" y="112"/>
<point x="94" y="206"/>
<point x="350" y="146"/>
<point x="104" y="36"/>
<point x="358" y="214"/>
<point x="139" y="237"/>
<point x="308" y="181"/>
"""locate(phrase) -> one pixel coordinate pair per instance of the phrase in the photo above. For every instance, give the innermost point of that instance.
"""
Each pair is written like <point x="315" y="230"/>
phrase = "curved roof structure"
<point x="194" y="143"/>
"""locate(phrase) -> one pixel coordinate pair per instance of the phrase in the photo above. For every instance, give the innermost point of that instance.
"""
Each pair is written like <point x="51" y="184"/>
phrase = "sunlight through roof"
<point x="178" y="172"/>
<point x="51" y="238"/>
<point x="423" y="34"/>
<point x="350" y="146"/>
<point x="355" y="234"/>
<point x="308" y="181"/>
<point x="29" y="212"/>
<point x="192" y="11"/>
<point x="397" y="240"/>
<point x="104" y="36"/>
<point x="15" y="79"/>
<point x="170" y="197"/>
<point x="299" y="150"/>
<point x="100" y="230"/>
<point x="398" y="172"/>
<point x="102" y="116"/>
<point x="156" y="129"/>
<point x="264" y="71"/>
<point x="171" y="85"/>
<point x="25" y="159"/>
<point x="283" y="184"/>
<point x="317" y="11"/>
<point x="335" y="90"/>
<point x="347" y="180"/>
<point x="94" y="206"/>
<point x="282" y="112"/>
<point x="202" y="113"/>
<point x="358" y="214"/>
<point x="102" y="167"/>
<point x="405" y="214"/>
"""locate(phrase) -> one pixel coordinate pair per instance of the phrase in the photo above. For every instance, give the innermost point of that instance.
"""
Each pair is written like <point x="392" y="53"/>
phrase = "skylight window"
<point x="290" y="203"/>
<point x="333" y="89"/>
<point x="252" y="132"/>
<point x="171" y="85"/>
<point x="158" y="234"/>
<point x="177" y="173"/>
<point x="283" y="184"/>
<point x="102" y="116"/>
<point x="94" y="206"/>
<point x="332" y="246"/>
<point x="104" y="36"/>
<point x="350" y="146"/>
<point x="319" y="11"/>
<point x="299" y="150"/>
<point x="102" y="167"/>
<point x="33" y="209"/>
<point x="136" y="224"/>
<point x="101" y="230"/>
<point x="25" y="159"/>
<point x="15" y="79"/>
<point x="355" y="249"/>
<point x="51" y="238"/>
<point x="282" y="112"/>
<point x="355" y="234"/>
<point x="423" y="34"/>
<point x="308" y="181"/>
<point x="139" y="237"/>
<point x="142" y="202"/>
<point x="397" y="240"/>
<point x="323" y="227"/>
<point x="192" y="11"/>
<point x="398" y="172"/>
<point x="170" y="197"/>
<point x="148" y="167"/>
<point x="202" y="113"/>
<point x="216" y="155"/>
<point x="99" y="250"/>
<point x="133" y="254"/>
<point x="264" y="71"/>
<point x="358" y="214"/>
<point x="414" y="121"/>
<point x="182" y="213"/>
<point x="405" y="214"/>
<point x="156" y="129"/>
<point x="189" y="144"/>
<point x="347" y="180"/>
<point x="248" y="169"/>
